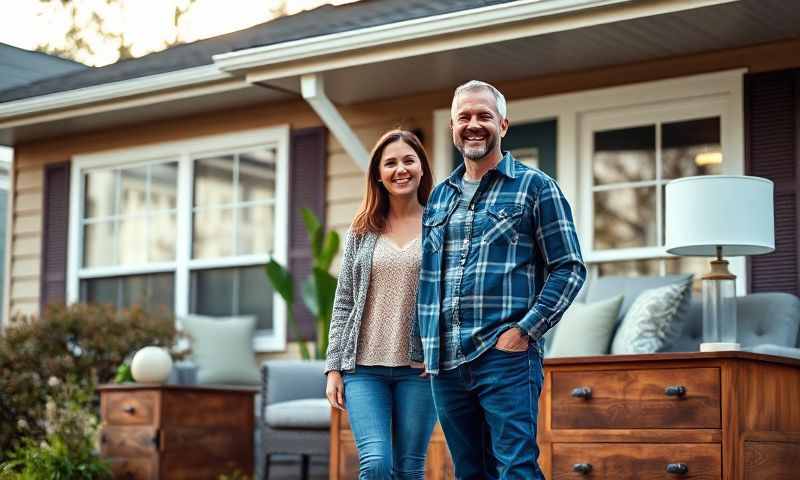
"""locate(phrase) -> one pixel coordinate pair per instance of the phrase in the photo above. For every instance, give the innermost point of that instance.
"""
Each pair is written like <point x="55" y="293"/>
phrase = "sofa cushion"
<point x="603" y="288"/>
<point x="653" y="321"/>
<point x="306" y="413"/>
<point x="222" y="349"/>
<point x="585" y="329"/>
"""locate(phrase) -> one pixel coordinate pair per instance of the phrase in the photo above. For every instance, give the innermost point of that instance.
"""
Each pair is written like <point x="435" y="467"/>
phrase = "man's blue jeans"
<point x="487" y="409"/>
<point x="391" y="417"/>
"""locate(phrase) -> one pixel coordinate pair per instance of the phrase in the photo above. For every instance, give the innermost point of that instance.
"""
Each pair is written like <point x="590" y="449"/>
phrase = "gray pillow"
<point x="222" y="348"/>
<point x="654" y="320"/>
<point x="586" y="328"/>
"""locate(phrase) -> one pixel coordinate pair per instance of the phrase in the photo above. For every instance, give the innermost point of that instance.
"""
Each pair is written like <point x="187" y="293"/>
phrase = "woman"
<point x="373" y="334"/>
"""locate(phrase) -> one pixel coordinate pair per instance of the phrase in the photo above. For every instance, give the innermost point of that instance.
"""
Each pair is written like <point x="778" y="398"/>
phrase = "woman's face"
<point x="400" y="169"/>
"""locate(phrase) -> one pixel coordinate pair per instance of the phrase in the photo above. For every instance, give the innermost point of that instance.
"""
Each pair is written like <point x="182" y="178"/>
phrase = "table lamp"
<point x="716" y="216"/>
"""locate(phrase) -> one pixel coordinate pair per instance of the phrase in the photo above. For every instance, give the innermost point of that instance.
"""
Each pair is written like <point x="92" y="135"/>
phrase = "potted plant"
<point x="319" y="288"/>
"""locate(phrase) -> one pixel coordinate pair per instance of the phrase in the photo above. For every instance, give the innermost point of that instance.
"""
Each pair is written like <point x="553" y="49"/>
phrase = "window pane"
<point x="163" y="229"/>
<point x="153" y="292"/>
<point x="133" y="194"/>
<point x="232" y="291"/>
<point x="164" y="186"/>
<point x="630" y="268"/>
<point x="100" y="194"/>
<point x="691" y="148"/>
<point x="699" y="266"/>
<point x="213" y="181"/>
<point x="98" y="244"/>
<point x="257" y="175"/>
<point x="624" y="155"/>
<point x="132" y="241"/>
<point x="255" y="229"/>
<point x="625" y="218"/>
<point x="213" y="233"/>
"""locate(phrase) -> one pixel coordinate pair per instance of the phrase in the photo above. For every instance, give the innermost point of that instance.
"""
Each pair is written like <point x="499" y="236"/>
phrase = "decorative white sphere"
<point x="151" y="365"/>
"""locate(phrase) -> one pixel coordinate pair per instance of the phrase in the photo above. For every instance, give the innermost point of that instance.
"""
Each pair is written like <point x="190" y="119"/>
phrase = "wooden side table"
<point x="177" y="431"/>
<point x="724" y="415"/>
<point x="343" y="463"/>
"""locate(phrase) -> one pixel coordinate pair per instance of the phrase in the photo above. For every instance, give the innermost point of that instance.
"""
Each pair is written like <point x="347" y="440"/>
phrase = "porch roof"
<point x="382" y="49"/>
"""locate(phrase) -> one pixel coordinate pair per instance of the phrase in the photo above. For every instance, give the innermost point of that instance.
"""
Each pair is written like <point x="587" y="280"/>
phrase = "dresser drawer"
<point x="663" y="398"/>
<point x="129" y="441"/>
<point x="130" y="408"/>
<point x="646" y="461"/>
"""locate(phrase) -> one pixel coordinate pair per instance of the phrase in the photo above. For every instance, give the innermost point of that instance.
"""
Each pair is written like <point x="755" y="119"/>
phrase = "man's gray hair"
<point x="473" y="85"/>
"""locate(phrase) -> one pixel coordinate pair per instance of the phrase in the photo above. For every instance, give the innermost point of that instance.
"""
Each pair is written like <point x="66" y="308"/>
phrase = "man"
<point x="500" y="264"/>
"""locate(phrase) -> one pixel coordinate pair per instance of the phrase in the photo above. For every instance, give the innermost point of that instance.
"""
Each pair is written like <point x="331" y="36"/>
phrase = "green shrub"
<point x="69" y="449"/>
<point x="84" y="342"/>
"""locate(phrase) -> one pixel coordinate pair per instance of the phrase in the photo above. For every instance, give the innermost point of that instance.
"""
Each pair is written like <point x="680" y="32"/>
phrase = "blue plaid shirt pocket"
<point x="503" y="223"/>
<point x="434" y="227"/>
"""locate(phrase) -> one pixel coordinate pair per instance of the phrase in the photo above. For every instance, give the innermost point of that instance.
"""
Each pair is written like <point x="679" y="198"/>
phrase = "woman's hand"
<point x="424" y="374"/>
<point x="334" y="390"/>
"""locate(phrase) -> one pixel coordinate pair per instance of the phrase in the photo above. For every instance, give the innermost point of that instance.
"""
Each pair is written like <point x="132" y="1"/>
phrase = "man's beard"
<point x="478" y="153"/>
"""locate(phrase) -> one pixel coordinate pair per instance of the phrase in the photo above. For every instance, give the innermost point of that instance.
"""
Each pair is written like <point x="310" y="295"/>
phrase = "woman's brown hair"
<point x="371" y="216"/>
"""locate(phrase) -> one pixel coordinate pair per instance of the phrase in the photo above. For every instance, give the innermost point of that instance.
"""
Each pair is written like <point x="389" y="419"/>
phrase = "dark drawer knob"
<point x="678" y="468"/>
<point x="129" y="409"/>
<point x="675" y="391"/>
<point x="582" y="468"/>
<point x="582" y="392"/>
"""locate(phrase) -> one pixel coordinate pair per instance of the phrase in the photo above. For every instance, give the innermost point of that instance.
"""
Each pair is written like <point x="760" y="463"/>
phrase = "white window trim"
<point x="573" y="110"/>
<point x="183" y="151"/>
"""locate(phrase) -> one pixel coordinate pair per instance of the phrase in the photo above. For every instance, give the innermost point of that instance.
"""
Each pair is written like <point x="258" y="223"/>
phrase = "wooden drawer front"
<point x="130" y="408"/>
<point x="636" y="399"/>
<point x="128" y="441"/>
<point x="208" y="409"/>
<point x="646" y="461"/>
<point x="145" y="468"/>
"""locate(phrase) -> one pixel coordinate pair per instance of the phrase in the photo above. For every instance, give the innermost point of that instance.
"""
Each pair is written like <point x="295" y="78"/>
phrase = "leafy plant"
<point x="84" y="342"/>
<point x="319" y="288"/>
<point x="68" y="450"/>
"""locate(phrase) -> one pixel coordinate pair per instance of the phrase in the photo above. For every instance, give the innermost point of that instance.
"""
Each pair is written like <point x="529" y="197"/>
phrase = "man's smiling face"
<point x="476" y="124"/>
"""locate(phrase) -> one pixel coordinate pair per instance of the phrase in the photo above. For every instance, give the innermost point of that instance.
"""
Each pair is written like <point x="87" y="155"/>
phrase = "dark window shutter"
<point x="772" y="113"/>
<point x="306" y="189"/>
<point x="55" y="221"/>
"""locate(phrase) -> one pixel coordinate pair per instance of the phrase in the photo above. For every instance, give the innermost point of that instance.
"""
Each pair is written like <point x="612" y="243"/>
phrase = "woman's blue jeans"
<point x="391" y="417"/>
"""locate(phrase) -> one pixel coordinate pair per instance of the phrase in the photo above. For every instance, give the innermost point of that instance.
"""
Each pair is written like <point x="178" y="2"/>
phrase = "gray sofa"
<point x="767" y="322"/>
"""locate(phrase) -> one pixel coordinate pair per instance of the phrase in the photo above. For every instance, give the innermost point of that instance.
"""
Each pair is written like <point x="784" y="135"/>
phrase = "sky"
<point x="146" y="24"/>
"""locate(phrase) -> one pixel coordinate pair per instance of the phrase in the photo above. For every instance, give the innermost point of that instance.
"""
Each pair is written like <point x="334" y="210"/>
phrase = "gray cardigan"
<point x="348" y="305"/>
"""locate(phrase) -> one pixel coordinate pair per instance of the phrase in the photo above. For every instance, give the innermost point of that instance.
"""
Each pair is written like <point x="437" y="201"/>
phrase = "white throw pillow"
<point x="654" y="321"/>
<point x="222" y="349"/>
<point x="586" y="328"/>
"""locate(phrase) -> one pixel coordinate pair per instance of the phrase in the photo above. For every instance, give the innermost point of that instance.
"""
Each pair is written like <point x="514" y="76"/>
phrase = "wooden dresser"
<point x="176" y="432"/>
<point x="730" y="415"/>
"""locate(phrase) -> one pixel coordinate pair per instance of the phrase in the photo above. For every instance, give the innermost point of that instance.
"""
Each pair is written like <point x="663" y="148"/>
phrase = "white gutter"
<point x="476" y="18"/>
<point x="115" y="90"/>
<point x="313" y="88"/>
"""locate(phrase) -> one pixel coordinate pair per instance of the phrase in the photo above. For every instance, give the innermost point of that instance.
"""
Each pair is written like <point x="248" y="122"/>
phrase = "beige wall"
<point x="345" y="181"/>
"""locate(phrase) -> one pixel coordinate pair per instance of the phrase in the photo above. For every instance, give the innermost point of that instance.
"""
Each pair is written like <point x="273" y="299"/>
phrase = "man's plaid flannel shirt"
<point x="523" y="266"/>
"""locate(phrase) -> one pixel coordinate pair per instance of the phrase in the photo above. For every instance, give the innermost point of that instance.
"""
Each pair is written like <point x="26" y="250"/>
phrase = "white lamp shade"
<point x="734" y="212"/>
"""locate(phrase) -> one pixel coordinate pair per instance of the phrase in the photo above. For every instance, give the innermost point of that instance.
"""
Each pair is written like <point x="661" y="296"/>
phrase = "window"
<point x="185" y="226"/>
<point x="632" y="154"/>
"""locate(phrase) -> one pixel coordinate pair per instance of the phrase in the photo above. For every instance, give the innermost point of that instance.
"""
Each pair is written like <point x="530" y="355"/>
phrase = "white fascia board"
<point x="472" y="19"/>
<point x="313" y="88"/>
<point x="113" y="91"/>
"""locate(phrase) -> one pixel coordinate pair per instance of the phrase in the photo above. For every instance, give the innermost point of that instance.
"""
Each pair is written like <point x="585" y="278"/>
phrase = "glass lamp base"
<point x="719" y="346"/>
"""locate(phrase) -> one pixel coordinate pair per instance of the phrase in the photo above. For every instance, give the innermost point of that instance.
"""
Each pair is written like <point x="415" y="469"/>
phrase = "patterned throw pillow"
<point x="654" y="320"/>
